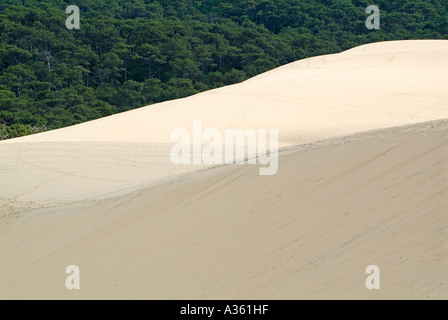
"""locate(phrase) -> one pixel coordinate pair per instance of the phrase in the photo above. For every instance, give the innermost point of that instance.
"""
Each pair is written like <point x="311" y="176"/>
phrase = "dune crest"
<point x="369" y="87"/>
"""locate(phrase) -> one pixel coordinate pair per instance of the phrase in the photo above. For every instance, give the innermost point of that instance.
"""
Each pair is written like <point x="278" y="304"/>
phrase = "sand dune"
<point x="308" y="232"/>
<point x="370" y="87"/>
<point x="373" y="86"/>
<point x="362" y="181"/>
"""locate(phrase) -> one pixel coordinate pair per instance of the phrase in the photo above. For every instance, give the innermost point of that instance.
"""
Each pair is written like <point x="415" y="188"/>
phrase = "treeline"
<point x="132" y="53"/>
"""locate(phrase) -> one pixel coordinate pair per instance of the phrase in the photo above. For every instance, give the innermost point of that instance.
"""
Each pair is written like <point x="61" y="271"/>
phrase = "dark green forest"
<point x="132" y="53"/>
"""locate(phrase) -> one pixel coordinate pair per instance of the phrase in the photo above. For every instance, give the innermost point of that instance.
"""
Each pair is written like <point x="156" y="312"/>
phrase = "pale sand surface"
<point x="369" y="87"/>
<point x="308" y="232"/>
<point x="104" y="195"/>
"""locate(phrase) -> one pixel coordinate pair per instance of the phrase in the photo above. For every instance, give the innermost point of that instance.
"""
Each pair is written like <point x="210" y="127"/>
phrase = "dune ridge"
<point x="374" y="86"/>
<point x="369" y="87"/>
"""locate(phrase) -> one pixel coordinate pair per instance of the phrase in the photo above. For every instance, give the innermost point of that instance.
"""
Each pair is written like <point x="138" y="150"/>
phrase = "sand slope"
<point x="373" y="86"/>
<point x="308" y="232"/>
<point x="104" y="195"/>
